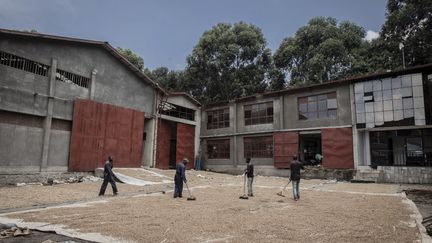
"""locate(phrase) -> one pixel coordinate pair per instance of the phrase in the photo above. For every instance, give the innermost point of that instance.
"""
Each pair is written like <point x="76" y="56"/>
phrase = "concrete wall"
<point x="26" y="148"/>
<point x="403" y="174"/>
<point x="291" y="117"/>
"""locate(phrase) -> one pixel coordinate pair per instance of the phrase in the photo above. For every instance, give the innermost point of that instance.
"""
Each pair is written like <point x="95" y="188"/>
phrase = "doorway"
<point x="310" y="146"/>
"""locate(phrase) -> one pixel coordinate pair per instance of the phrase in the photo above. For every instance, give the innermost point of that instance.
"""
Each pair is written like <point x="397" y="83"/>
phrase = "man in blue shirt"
<point x="180" y="177"/>
<point x="108" y="177"/>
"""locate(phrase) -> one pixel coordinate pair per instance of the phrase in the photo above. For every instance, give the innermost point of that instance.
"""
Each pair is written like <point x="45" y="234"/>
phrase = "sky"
<point x="164" y="32"/>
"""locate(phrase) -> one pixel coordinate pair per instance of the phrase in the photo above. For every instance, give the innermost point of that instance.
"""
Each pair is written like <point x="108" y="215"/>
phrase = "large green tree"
<point x="408" y="22"/>
<point x="168" y="79"/>
<point x="135" y="59"/>
<point x="229" y="61"/>
<point x="322" y="50"/>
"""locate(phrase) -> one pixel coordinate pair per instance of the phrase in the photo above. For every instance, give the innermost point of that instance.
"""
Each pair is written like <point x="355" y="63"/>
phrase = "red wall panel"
<point x="99" y="130"/>
<point x="337" y="147"/>
<point x="186" y="143"/>
<point x="163" y="144"/>
<point x="285" y="147"/>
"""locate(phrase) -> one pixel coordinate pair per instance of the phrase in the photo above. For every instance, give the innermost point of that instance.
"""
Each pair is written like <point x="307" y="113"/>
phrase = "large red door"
<point x="100" y="130"/>
<point x="337" y="147"/>
<point x="285" y="148"/>
<point x="186" y="143"/>
<point x="163" y="144"/>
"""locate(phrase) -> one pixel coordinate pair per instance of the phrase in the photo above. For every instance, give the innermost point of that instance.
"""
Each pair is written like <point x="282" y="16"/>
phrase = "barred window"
<point x="24" y="64"/>
<point x="218" y="118"/>
<point x="317" y="106"/>
<point x="173" y="110"/>
<point x="258" y="147"/>
<point x="72" y="78"/>
<point x="258" y="113"/>
<point x="218" y="149"/>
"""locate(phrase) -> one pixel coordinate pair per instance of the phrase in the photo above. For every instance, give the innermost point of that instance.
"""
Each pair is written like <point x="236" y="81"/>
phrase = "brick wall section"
<point x="337" y="148"/>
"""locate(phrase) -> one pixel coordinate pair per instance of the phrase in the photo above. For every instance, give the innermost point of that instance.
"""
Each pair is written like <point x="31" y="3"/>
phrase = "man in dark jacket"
<point x="108" y="177"/>
<point x="249" y="171"/>
<point x="180" y="177"/>
<point x="295" y="167"/>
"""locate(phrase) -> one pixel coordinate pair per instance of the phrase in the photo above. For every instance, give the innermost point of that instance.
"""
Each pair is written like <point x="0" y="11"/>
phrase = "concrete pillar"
<point x="92" y="87"/>
<point x="235" y="154"/>
<point x="48" y="118"/>
<point x="367" y="155"/>
<point x="354" y="127"/>
<point x="281" y="112"/>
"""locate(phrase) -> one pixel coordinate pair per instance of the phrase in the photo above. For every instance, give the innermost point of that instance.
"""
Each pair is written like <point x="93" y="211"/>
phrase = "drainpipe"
<point x="155" y="129"/>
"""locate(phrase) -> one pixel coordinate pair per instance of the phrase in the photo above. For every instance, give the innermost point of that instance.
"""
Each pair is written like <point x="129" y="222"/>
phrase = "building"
<point x="67" y="103"/>
<point x="378" y="124"/>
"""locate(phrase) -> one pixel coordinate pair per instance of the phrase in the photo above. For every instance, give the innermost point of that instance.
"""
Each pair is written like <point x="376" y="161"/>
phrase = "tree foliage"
<point x="170" y="80"/>
<point x="229" y="61"/>
<point x="408" y="22"/>
<point x="323" y="50"/>
<point x="133" y="58"/>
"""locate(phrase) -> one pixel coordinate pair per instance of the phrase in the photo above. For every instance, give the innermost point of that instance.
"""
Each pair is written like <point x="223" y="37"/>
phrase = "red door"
<point x="285" y="147"/>
<point x="99" y="130"/>
<point x="337" y="148"/>
<point x="163" y="144"/>
<point x="186" y="143"/>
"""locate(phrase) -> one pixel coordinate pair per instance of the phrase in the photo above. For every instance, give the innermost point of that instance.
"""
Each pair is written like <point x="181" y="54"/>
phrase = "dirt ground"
<point x="328" y="211"/>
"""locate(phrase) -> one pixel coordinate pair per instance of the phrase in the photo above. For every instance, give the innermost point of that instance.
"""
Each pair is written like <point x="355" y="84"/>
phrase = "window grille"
<point x="72" y="78"/>
<point x="258" y="113"/>
<point x="173" y="110"/>
<point x="218" y="149"/>
<point x="24" y="64"/>
<point x="258" y="147"/>
<point x="218" y="118"/>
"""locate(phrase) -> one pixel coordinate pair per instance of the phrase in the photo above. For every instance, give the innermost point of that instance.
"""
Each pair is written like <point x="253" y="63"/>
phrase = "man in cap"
<point x="180" y="177"/>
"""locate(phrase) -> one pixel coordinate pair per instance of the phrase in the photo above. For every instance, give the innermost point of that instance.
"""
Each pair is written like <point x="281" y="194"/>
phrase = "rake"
<point x="244" y="196"/>
<point x="280" y="193"/>
<point x="190" y="198"/>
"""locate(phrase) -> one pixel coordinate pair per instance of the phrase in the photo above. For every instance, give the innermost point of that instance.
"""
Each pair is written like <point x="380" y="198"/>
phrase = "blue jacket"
<point x="180" y="171"/>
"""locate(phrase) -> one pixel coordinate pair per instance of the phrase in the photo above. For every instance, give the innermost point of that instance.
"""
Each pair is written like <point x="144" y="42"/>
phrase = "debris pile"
<point x="13" y="231"/>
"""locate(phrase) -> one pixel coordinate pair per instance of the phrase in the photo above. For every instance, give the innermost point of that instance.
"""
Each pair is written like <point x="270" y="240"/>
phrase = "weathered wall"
<point x="403" y="174"/>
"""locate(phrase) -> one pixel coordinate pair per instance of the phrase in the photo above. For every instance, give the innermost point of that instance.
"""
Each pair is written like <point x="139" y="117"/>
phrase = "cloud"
<point x="370" y="35"/>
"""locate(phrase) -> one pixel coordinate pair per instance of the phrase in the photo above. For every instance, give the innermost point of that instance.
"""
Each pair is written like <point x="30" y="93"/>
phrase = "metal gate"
<point x="99" y="130"/>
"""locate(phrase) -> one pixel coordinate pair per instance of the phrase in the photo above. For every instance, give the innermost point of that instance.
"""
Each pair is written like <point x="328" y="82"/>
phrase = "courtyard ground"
<point x="328" y="211"/>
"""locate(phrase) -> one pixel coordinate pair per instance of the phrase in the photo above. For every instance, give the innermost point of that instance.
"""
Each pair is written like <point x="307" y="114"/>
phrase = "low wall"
<point x="408" y="175"/>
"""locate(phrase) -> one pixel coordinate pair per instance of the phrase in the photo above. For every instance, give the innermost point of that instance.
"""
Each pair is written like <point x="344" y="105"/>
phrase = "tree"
<point x="133" y="58"/>
<point x="229" y="61"/>
<point x="321" y="51"/>
<point x="408" y="22"/>
<point x="169" y="80"/>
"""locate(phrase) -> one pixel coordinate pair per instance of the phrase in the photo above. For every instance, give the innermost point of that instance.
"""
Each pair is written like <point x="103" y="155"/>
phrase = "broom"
<point x="244" y="196"/>
<point x="190" y="198"/>
<point x="280" y="193"/>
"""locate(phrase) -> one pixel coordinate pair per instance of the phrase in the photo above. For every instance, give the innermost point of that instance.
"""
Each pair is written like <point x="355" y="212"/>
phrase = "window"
<point x="258" y="113"/>
<point x="218" y="118"/>
<point x="258" y="147"/>
<point x="317" y="106"/>
<point x="170" y="109"/>
<point x="24" y="64"/>
<point x="72" y="78"/>
<point x="218" y="149"/>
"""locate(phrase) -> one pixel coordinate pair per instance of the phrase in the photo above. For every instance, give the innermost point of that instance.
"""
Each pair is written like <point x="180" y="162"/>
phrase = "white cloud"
<point x="370" y="35"/>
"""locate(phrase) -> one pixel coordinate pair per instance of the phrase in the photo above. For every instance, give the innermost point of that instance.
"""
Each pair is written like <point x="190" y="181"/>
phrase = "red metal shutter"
<point x="285" y="147"/>
<point x="186" y="143"/>
<point x="337" y="146"/>
<point x="163" y="144"/>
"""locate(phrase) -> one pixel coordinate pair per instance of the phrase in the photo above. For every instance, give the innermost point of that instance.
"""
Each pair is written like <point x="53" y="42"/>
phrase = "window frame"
<point x="258" y="147"/>
<point x="313" y="107"/>
<point x="223" y="153"/>
<point x="220" y="118"/>
<point x="258" y="113"/>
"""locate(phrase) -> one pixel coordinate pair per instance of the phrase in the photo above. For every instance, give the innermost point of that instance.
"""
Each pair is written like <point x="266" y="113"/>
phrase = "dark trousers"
<point x="178" y="182"/>
<point x="105" y="183"/>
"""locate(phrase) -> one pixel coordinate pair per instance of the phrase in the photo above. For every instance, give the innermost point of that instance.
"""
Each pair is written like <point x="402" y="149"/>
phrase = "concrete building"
<point x="379" y="125"/>
<point x="66" y="103"/>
